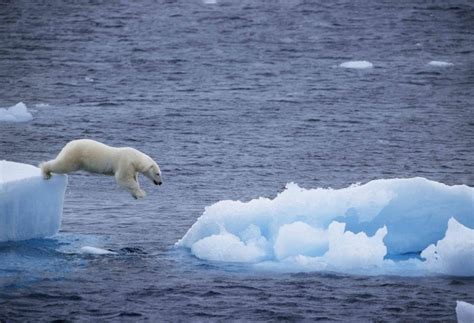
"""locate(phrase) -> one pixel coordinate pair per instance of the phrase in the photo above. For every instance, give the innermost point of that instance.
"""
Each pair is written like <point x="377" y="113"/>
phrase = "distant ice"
<point x="440" y="63"/>
<point x="96" y="251"/>
<point x="464" y="312"/>
<point x="16" y="113"/>
<point x="357" y="64"/>
<point x="359" y="229"/>
<point x="30" y="207"/>
<point x="209" y="1"/>
<point x="41" y="105"/>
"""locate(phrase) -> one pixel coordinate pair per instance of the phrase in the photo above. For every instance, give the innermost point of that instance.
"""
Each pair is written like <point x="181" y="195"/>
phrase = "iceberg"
<point x="357" y="64"/>
<point x="16" y="113"/>
<point x="384" y="226"/>
<point x="30" y="207"/>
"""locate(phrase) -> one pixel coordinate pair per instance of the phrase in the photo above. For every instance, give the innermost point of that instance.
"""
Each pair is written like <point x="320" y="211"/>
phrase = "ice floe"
<point x="361" y="228"/>
<point x="30" y="207"/>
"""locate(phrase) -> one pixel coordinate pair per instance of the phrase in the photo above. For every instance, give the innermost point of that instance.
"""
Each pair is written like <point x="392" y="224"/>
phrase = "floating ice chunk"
<point x="96" y="251"/>
<point x="440" y="63"/>
<point x="209" y="1"/>
<point x="464" y="312"/>
<point x="357" y="64"/>
<point x="30" y="207"/>
<point x="16" y="113"/>
<point x="345" y="229"/>
<point x="454" y="254"/>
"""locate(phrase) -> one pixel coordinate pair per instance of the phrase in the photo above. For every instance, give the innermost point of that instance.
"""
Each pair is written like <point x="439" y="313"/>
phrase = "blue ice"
<point x="358" y="229"/>
<point x="30" y="207"/>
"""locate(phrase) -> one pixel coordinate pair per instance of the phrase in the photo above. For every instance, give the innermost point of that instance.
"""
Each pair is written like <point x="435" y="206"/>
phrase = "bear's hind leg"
<point x="45" y="171"/>
<point x="58" y="166"/>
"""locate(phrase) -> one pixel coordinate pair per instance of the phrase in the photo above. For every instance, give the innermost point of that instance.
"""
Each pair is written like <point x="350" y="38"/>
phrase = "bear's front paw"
<point x="139" y="194"/>
<point x="46" y="175"/>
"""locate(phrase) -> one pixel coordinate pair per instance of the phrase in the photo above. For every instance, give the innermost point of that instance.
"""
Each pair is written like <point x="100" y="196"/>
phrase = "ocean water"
<point x="234" y="99"/>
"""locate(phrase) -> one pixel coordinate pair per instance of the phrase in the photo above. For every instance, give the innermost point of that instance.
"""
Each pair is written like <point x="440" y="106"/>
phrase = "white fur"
<point x="92" y="156"/>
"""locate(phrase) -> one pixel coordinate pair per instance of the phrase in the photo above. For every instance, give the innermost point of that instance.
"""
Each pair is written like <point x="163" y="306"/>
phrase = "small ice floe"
<point x="89" y="79"/>
<point x="357" y="64"/>
<point x="209" y="1"/>
<point x="464" y="312"/>
<point x="96" y="251"/>
<point x="16" y="113"/>
<point x="440" y="63"/>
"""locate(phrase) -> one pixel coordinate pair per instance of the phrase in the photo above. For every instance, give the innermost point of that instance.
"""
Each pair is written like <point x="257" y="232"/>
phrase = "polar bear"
<point x="92" y="156"/>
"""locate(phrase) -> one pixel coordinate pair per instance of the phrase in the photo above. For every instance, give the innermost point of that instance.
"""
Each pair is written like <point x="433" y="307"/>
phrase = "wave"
<point x="388" y="226"/>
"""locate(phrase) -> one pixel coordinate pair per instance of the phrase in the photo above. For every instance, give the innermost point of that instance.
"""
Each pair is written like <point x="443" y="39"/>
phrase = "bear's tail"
<point x="45" y="171"/>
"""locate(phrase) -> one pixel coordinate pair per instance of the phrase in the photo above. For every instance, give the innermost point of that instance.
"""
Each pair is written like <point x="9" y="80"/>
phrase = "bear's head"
<point x="153" y="172"/>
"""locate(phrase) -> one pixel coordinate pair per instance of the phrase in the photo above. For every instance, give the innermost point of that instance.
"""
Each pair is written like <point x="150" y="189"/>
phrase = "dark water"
<point x="234" y="100"/>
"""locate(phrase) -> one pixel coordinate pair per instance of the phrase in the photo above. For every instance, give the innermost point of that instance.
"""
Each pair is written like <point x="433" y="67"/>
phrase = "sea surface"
<point x="234" y="99"/>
